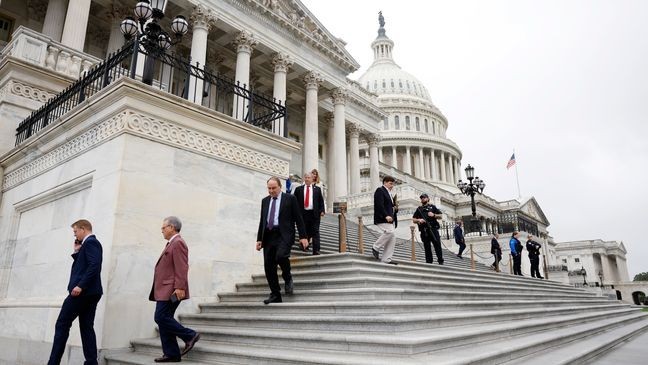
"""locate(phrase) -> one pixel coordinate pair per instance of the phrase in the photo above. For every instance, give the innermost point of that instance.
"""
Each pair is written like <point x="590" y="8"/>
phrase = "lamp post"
<point x="584" y="273"/>
<point x="473" y="186"/>
<point x="150" y="34"/>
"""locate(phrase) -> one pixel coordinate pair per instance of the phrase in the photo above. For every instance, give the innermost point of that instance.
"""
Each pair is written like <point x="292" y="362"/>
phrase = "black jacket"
<point x="533" y="247"/>
<point x="86" y="268"/>
<point x="289" y="215"/>
<point x="316" y="195"/>
<point x="495" y="246"/>
<point x="383" y="206"/>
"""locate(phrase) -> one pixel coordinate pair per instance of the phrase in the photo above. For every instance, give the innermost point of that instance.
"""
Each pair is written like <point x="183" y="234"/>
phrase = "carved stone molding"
<point x="202" y="17"/>
<point x="312" y="80"/>
<point x="245" y="41"/>
<point x="27" y="91"/>
<point x="151" y="128"/>
<point x="339" y="96"/>
<point x="281" y="62"/>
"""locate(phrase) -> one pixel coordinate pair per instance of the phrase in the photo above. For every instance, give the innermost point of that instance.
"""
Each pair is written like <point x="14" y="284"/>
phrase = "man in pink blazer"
<point x="170" y="287"/>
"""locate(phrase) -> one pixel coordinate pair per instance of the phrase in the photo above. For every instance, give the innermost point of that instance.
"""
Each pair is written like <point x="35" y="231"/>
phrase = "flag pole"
<point x="517" y="178"/>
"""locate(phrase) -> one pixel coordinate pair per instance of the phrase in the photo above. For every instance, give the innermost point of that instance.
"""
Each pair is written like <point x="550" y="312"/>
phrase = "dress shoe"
<point x="375" y="253"/>
<point x="392" y="262"/>
<point x="289" y="287"/>
<point x="167" y="359"/>
<point x="272" y="299"/>
<point x="190" y="344"/>
<point x="315" y="253"/>
<point x="459" y="256"/>
<point x="440" y="262"/>
<point x="540" y="277"/>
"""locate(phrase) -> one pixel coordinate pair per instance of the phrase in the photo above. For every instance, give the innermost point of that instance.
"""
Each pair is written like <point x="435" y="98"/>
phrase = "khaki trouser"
<point x="386" y="241"/>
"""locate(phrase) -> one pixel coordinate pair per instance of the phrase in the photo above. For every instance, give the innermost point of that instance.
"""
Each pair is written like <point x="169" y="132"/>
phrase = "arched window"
<point x="427" y="128"/>
<point x="433" y="128"/>
<point x="400" y="84"/>
<point x="367" y="85"/>
<point x="407" y="122"/>
<point x="418" y="124"/>
<point x="375" y="84"/>
<point x="392" y="83"/>
<point x="396" y="122"/>
<point x="384" y="84"/>
<point x="385" y="123"/>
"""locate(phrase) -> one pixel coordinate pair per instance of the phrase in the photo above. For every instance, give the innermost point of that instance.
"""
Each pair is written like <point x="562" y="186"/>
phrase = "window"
<point x="577" y="260"/>
<point x="294" y="136"/>
<point x="427" y="128"/>
<point x="433" y="128"/>
<point x="418" y="124"/>
<point x="6" y="26"/>
<point x="385" y="123"/>
<point x="396" y="122"/>
<point x="400" y="84"/>
<point x="384" y="84"/>
<point x="564" y="261"/>
<point x="392" y="83"/>
<point x="407" y="122"/>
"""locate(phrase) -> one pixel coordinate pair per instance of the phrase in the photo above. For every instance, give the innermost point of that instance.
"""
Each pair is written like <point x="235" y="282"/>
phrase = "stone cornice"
<point x="26" y="90"/>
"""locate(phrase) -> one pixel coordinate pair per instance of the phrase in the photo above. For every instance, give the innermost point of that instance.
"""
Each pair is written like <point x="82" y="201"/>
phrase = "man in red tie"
<point x="311" y="205"/>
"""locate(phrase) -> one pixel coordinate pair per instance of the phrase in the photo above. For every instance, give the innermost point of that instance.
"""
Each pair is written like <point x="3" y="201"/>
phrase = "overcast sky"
<point x="564" y="83"/>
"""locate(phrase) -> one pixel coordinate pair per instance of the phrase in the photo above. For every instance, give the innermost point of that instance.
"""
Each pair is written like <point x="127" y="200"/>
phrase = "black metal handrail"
<point x="166" y="72"/>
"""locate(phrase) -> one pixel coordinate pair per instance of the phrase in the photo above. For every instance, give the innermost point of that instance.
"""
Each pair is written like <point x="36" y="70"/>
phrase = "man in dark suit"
<point x="276" y="235"/>
<point x="385" y="219"/>
<point x="170" y="287"/>
<point x="311" y="205"/>
<point x="459" y="238"/>
<point x="84" y="290"/>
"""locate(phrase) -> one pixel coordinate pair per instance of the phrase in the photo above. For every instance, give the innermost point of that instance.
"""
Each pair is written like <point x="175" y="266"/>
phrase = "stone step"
<point x="407" y="343"/>
<point x="355" y="294"/>
<point x="561" y="345"/>
<point x="376" y="323"/>
<point x="367" y="281"/>
<point x="352" y="308"/>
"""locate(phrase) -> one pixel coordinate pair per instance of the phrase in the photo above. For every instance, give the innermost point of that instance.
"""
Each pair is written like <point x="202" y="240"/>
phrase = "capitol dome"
<point x="413" y="135"/>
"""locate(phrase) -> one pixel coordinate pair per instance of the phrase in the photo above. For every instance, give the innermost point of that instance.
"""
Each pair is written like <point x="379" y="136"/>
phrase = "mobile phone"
<point x="174" y="298"/>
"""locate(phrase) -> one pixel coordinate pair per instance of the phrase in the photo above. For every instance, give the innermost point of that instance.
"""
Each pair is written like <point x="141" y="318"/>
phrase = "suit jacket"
<point x="383" y="206"/>
<point x="289" y="215"/>
<point x="86" y="268"/>
<point x="316" y="196"/>
<point x="458" y="234"/>
<point x="171" y="271"/>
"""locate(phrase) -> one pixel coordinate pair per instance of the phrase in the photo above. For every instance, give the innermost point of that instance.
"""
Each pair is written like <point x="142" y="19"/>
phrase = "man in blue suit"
<point x="84" y="290"/>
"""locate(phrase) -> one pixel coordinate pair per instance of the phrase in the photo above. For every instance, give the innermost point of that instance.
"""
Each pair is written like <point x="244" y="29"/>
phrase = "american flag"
<point x="511" y="162"/>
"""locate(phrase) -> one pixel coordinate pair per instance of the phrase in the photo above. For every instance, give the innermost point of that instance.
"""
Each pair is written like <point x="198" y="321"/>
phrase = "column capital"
<point x="374" y="139"/>
<point x="353" y="130"/>
<point x="328" y="119"/>
<point x="281" y="62"/>
<point x="313" y="80"/>
<point x="339" y="96"/>
<point x="245" y="41"/>
<point x="202" y="17"/>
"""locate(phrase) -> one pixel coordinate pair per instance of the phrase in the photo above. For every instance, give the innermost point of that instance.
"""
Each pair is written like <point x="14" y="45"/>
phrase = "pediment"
<point x="294" y="15"/>
<point x="532" y="209"/>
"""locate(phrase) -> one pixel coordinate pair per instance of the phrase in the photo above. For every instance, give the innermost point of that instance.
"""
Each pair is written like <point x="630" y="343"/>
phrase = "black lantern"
<point x="473" y="186"/>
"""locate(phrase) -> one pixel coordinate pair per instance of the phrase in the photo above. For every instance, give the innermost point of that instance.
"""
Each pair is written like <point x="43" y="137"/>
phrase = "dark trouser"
<point x="275" y="253"/>
<point x="435" y="240"/>
<point x="498" y="258"/>
<point x="535" y="266"/>
<point x="517" y="264"/>
<point x="84" y="307"/>
<point x="462" y="247"/>
<point x="170" y="328"/>
<point x="312" y="223"/>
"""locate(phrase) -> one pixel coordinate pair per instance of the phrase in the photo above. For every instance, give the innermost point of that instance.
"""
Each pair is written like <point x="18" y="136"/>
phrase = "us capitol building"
<point x="131" y="141"/>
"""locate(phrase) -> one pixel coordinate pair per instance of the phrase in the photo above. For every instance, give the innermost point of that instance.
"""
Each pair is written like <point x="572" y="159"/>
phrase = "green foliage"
<point x="643" y="276"/>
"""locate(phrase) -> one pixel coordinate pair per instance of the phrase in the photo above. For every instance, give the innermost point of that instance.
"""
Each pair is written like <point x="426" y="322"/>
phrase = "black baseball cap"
<point x="424" y="195"/>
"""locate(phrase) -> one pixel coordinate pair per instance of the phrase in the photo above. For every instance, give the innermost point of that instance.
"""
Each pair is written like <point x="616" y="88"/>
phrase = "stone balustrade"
<point x="36" y="48"/>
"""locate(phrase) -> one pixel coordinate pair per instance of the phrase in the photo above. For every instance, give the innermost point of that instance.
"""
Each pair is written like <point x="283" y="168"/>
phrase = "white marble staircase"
<point x="350" y="309"/>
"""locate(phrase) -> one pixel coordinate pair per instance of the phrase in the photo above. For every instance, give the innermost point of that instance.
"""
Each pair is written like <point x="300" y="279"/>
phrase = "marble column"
<point x="421" y="165"/>
<point x="312" y="81"/>
<point x="330" y="157"/>
<point x="245" y="43"/>
<point x="394" y="161"/>
<point x="426" y="170"/>
<point x="407" y="165"/>
<point x="354" y="158"/>
<point x="339" y="97"/>
<point x="202" y="19"/>
<point x="451" y="168"/>
<point x="374" y="166"/>
<point x="281" y="63"/>
<point x="76" y="24"/>
<point x="443" y="167"/>
<point x="380" y="155"/>
<point x="55" y="19"/>
<point x="434" y="175"/>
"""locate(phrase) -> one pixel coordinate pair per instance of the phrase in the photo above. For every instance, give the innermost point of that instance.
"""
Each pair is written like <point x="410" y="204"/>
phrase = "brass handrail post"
<point x="360" y="236"/>
<point x="342" y="233"/>
<point x="511" y="264"/>
<point x="413" y="244"/>
<point x="472" y="258"/>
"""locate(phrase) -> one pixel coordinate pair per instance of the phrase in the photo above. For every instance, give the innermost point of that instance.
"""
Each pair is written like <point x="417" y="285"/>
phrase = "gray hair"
<point x="175" y="222"/>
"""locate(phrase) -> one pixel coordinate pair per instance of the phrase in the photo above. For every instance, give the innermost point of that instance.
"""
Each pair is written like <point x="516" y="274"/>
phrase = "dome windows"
<point x="407" y="123"/>
<point x="418" y="124"/>
<point x="427" y="128"/>
<point x="396" y="122"/>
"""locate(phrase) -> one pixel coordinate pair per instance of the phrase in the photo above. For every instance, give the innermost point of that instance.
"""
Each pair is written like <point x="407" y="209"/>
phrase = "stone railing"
<point x="36" y="48"/>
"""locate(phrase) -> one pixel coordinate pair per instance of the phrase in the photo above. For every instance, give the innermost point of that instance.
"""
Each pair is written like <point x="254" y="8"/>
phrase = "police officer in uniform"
<point x="427" y="216"/>
<point x="534" y="256"/>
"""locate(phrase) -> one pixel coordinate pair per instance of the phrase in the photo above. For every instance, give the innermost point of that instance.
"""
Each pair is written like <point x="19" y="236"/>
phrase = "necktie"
<point x="307" y="199"/>
<point x="272" y="213"/>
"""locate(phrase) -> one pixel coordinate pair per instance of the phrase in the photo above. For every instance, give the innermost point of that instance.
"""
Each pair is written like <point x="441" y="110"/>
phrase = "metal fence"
<point x="166" y="72"/>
